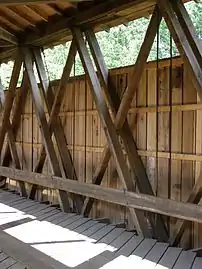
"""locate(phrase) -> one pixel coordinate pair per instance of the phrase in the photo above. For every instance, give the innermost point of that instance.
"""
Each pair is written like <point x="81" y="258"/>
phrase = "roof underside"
<point x="47" y="22"/>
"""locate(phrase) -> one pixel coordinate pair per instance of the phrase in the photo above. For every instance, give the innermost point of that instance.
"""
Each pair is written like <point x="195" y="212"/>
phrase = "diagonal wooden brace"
<point x="131" y="89"/>
<point x="108" y="126"/>
<point x="137" y="167"/>
<point x="194" y="198"/>
<point x="10" y="98"/>
<point x="17" y="112"/>
<point x="56" y="107"/>
<point x="47" y="138"/>
<point x="56" y="127"/>
<point x="6" y="125"/>
<point x="184" y="37"/>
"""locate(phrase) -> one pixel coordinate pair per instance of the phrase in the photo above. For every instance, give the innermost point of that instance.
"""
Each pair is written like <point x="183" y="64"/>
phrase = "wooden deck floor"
<point x="34" y="235"/>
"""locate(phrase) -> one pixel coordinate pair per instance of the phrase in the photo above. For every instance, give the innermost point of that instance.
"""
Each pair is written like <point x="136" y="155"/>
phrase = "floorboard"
<point x="35" y="235"/>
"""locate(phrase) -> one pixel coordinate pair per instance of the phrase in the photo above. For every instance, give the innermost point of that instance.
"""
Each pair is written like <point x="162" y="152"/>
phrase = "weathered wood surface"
<point x="64" y="240"/>
<point x="185" y="113"/>
<point x="167" y="207"/>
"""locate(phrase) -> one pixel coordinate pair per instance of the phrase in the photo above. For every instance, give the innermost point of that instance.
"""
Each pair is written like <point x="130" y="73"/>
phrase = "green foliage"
<point x="120" y="46"/>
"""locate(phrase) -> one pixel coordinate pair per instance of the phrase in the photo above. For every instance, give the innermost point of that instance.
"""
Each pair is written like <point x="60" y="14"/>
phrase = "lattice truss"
<point x="115" y="125"/>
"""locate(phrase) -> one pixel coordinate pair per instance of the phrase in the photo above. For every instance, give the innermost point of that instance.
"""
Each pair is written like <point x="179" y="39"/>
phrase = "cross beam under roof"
<point x="29" y="2"/>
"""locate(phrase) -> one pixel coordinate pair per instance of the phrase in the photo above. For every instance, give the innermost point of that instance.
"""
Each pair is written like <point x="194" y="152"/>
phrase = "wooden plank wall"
<point x="169" y="141"/>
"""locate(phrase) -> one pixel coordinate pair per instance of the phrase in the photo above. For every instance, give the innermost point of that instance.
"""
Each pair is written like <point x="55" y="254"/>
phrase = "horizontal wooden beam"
<point x="145" y="202"/>
<point x="33" y="2"/>
<point x="143" y="153"/>
<point x="136" y="110"/>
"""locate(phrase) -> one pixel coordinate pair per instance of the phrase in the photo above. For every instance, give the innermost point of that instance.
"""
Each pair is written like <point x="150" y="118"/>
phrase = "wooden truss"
<point x="183" y="33"/>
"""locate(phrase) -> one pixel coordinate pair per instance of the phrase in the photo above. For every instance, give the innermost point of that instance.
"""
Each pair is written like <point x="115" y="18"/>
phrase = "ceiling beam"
<point x="29" y="2"/>
<point x="91" y="16"/>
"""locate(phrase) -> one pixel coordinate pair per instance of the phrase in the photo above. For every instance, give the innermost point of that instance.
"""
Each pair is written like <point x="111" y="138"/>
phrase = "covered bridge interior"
<point x="101" y="170"/>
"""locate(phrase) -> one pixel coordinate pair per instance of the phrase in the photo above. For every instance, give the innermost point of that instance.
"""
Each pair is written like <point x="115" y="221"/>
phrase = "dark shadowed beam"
<point x="183" y="42"/>
<point x="137" y="168"/>
<point x="108" y="127"/>
<point x="40" y="113"/>
<point x="56" y="107"/>
<point x="126" y="198"/>
<point x="56" y="126"/>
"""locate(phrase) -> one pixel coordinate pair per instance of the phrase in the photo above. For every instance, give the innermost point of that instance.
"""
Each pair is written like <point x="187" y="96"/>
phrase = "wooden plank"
<point x="197" y="263"/>
<point x="77" y="223"/>
<point x="151" y="259"/>
<point x="56" y="127"/>
<point x="130" y="246"/>
<point x="7" y="263"/>
<point x="159" y="205"/>
<point x="36" y="209"/>
<point x="169" y="258"/>
<point x="176" y="146"/>
<point x="70" y="220"/>
<point x="93" y="229"/>
<point x="106" y="256"/>
<point x="143" y="248"/>
<point x="3" y="256"/>
<point x="25" y="205"/>
<point x="61" y="219"/>
<point x="136" y="165"/>
<point x="185" y="260"/>
<point x="56" y="215"/>
<point x="45" y="216"/>
<point x="189" y="96"/>
<point x="102" y="232"/>
<point x="42" y="212"/>
<point x="16" y="266"/>
<point x="107" y="123"/>
<point x="50" y="151"/>
<point x="27" y="255"/>
<point x="85" y="226"/>
<point x="119" y="242"/>
<point x="110" y="237"/>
